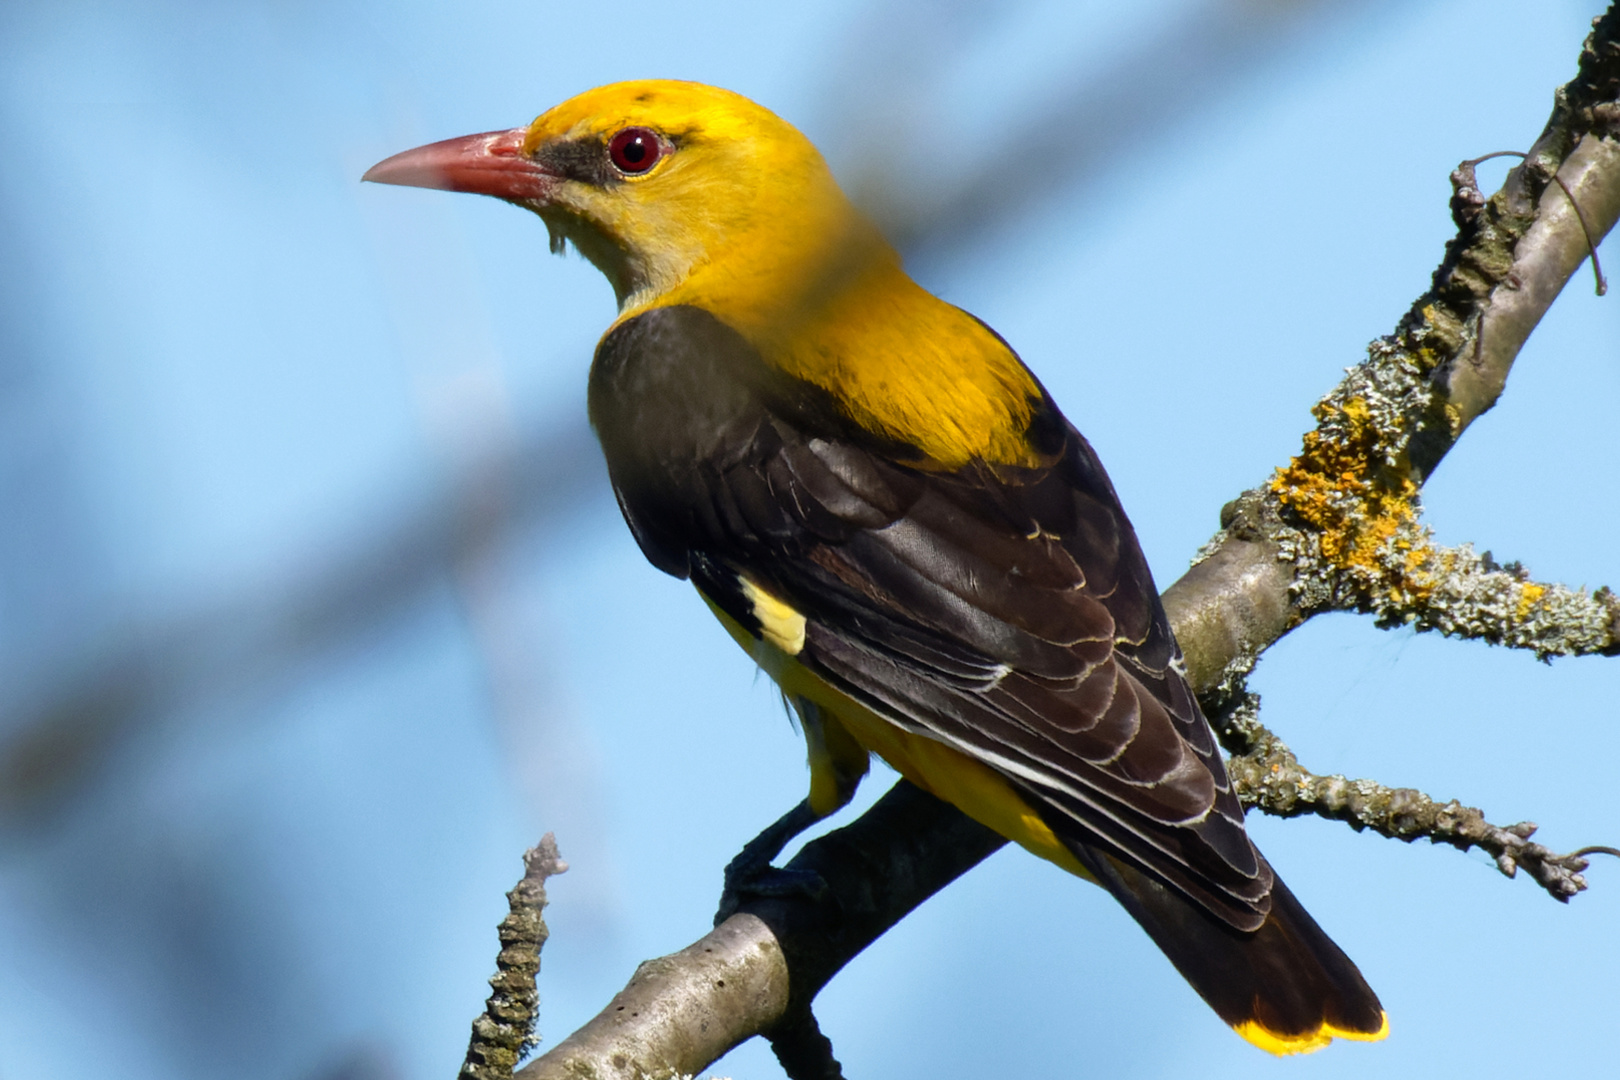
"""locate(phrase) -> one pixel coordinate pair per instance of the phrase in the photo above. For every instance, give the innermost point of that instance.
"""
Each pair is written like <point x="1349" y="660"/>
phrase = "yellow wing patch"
<point x="943" y="771"/>
<point x="1281" y="1045"/>
<point x="779" y="623"/>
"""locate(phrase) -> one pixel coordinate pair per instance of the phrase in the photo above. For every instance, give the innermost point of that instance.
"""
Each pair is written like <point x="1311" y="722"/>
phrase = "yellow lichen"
<point x="1352" y="524"/>
<point x="1365" y="519"/>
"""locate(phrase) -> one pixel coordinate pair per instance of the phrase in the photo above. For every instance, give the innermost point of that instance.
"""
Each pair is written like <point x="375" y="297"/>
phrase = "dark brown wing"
<point x="1007" y="612"/>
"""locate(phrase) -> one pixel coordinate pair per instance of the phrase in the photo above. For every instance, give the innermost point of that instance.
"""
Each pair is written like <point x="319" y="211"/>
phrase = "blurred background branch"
<point x="59" y="733"/>
<point x="62" y="720"/>
<point x="1078" y="131"/>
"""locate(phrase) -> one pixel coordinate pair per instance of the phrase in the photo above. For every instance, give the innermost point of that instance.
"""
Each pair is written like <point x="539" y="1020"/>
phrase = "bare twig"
<point x="505" y="1032"/>
<point x="1467" y="200"/>
<point x="1267" y="775"/>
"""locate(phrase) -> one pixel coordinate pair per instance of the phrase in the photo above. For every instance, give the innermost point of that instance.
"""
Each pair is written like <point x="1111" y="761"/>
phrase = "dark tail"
<point x="1285" y="987"/>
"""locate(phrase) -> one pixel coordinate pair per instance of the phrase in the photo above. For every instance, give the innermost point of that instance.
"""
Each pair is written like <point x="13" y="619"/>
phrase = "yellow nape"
<point x="1282" y="1045"/>
<point x="904" y="363"/>
<point x="743" y="219"/>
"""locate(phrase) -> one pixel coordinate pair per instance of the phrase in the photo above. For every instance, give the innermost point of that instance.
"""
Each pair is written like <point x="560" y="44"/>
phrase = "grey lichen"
<point x="504" y="1034"/>
<point x="1266" y="775"/>
<point x="1351" y="526"/>
<point x="1470" y="595"/>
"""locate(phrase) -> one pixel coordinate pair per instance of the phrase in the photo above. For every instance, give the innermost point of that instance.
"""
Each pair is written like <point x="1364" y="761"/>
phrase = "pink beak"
<point x="487" y="164"/>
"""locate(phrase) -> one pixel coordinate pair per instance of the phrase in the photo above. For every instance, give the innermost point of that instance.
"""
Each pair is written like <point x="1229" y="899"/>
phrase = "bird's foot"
<point x="751" y="872"/>
<point x="767" y="881"/>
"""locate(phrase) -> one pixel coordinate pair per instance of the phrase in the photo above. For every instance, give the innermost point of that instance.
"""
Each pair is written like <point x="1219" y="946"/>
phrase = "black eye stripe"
<point x="589" y="159"/>
<point x="578" y="159"/>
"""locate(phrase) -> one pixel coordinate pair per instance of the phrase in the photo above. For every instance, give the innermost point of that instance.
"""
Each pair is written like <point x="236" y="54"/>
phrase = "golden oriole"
<point x="891" y="516"/>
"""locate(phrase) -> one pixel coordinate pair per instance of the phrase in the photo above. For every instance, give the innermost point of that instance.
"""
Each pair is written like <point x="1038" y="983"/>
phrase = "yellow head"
<point x="688" y="194"/>
<point x="655" y="181"/>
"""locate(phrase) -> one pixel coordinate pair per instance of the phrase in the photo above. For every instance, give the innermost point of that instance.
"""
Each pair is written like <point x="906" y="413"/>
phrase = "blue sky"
<point x="228" y="369"/>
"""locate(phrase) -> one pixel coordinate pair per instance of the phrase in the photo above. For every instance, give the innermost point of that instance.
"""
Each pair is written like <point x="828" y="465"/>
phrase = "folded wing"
<point x="1006" y="611"/>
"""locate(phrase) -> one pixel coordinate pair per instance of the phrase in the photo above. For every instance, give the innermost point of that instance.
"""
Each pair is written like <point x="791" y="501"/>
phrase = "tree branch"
<point x="1267" y="775"/>
<point x="761" y="968"/>
<point x="505" y="1031"/>
<point x="1322" y="534"/>
<point x="1337" y="528"/>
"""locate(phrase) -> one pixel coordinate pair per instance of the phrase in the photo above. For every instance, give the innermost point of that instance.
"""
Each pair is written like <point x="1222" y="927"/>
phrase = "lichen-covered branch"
<point x="1267" y="775"/>
<point x="1348" y="518"/>
<point x="1356" y="542"/>
<point x="505" y="1032"/>
<point x="1338" y="527"/>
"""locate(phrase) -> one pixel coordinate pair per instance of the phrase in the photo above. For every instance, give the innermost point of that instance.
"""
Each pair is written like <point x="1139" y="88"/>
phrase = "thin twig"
<point x="1465" y="174"/>
<point x="1267" y="775"/>
<point x="504" y="1034"/>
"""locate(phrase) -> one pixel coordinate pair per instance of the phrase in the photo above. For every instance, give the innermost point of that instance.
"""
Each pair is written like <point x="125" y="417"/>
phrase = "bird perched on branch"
<point x="891" y="516"/>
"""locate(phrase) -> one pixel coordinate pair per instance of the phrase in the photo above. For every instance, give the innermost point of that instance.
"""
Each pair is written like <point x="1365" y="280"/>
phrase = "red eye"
<point x="635" y="150"/>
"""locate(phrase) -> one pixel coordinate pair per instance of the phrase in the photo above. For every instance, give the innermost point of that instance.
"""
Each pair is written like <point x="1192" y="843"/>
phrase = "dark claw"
<point x="751" y="872"/>
<point x="768" y="881"/>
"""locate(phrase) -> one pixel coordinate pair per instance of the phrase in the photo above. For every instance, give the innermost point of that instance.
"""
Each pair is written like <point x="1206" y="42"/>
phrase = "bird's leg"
<point x="751" y="872"/>
<point x="837" y="763"/>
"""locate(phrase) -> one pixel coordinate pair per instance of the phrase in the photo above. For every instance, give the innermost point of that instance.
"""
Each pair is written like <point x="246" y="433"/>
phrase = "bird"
<point x="888" y="512"/>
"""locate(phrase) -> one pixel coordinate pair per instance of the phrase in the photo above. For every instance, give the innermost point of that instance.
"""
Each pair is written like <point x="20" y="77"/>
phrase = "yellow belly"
<point x="964" y="782"/>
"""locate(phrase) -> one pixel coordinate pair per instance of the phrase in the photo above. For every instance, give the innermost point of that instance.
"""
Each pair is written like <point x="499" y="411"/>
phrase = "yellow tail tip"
<point x="1280" y="1044"/>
